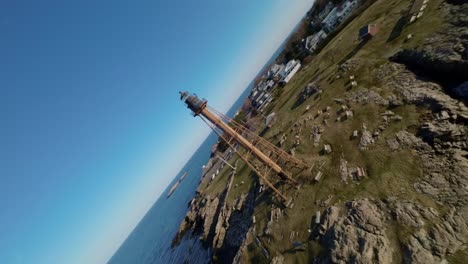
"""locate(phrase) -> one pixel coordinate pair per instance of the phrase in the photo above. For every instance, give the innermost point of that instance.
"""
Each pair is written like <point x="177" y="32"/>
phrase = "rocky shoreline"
<point x="220" y="225"/>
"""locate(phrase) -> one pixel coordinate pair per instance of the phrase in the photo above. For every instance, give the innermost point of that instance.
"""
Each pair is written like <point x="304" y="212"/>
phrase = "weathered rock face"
<point x="443" y="135"/>
<point x="411" y="90"/>
<point x="239" y="224"/>
<point x="445" y="175"/>
<point x="393" y="144"/>
<point x="329" y="218"/>
<point x="366" y="138"/>
<point x="430" y="243"/>
<point x="316" y="133"/>
<point x="412" y="214"/>
<point x="208" y="212"/>
<point x="365" y="96"/>
<point x="356" y="237"/>
<point x="220" y="225"/>
<point x="344" y="170"/>
<point x="444" y="54"/>
<point x="199" y="217"/>
<point x="441" y="142"/>
<point x="351" y="65"/>
<point x="442" y="147"/>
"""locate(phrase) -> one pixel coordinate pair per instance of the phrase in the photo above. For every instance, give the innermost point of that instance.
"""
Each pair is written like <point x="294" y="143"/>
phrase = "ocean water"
<point x="150" y="241"/>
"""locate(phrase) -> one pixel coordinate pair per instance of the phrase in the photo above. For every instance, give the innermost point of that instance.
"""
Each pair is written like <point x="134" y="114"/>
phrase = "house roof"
<point x="364" y="31"/>
<point x="368" y="29"/>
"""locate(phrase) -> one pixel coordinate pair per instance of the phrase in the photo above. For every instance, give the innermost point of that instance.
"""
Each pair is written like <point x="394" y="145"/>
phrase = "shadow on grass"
<point x="292" y="251"/>
<point x="264" y="131"/>
<point x="355" y="50"/>
<point x="397" y="29"/>
<point x="305" y="94"/>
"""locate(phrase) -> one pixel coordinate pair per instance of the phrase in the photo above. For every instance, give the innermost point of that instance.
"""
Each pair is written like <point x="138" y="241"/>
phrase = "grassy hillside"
<point x="387" y="172"/>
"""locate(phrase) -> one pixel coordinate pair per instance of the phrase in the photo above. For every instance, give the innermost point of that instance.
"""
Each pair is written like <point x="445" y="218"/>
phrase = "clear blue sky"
<point x="91" y="127"/>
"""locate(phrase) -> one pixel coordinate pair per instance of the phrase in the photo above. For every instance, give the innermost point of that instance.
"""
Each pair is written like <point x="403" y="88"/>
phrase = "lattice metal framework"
<point x="273" y="160"/>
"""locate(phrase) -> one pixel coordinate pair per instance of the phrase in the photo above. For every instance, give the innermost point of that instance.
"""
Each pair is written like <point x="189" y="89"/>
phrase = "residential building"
<point x="289" y="70"/>
<point x="330" y="21"/>
<point x="313" y="41"/>
<point x="325" y="11"/>
<point x="346" y="10"/>
<point x="265" y="85"/>
<point x="338" y="14"/>
<point x="254" y="93"/>
<point x="274" y="70"/>
<point x="266" y="102"/>
<point x="261" y="86"/>
<point x="261" y="100"/>
<point x="269" y="84"/>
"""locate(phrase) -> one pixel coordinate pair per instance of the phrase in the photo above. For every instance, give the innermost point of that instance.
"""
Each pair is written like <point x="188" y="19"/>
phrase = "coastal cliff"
<point x="220" y="224"/>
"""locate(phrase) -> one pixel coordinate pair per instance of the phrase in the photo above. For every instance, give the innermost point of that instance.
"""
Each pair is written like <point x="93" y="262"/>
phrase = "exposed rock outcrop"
<point x="366" y="96"/>
<point x="366" y="138"/>
<point x="344" y="170"/>
<point x="444" y="135"/>
<point x="431" y="244"/>
<point x="412" y="214"/>
<point x="199" y="217"/>
<point x="239" y="225"/>
<point x="445" y="174"/>
<point x="221" y="225"/>
<point x="358" y="236"/>
<point x="444" y="54"/>
<point x="412" y="90"/>
<point x="329" y="218"/>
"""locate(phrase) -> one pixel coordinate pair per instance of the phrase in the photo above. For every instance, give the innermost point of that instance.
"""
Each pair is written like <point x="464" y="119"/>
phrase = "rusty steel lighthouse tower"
<point x="256" y="147"/>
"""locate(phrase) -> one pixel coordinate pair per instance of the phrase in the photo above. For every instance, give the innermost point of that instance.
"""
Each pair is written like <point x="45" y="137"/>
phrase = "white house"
<point x="330" y="21"/>
<point x="264" y="85"/>
<point x="275" y="69"/>
<point x="289" y="70"/>
<point x="325" y="11"/>
<point x="270" y="84"/>
<point x="261" y="86"/>
<point x="266" y="102"/>
<point x="338" y="14"/>
<point x="346" y="10"/>
<point x="312" y="41"/>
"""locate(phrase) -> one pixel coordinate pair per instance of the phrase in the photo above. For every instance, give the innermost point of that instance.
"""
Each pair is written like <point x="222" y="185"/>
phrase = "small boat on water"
<point x="183" y="176"/>
<point x="174" y="187"/>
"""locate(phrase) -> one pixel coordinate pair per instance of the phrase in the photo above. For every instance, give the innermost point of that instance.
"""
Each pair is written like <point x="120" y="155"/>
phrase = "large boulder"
<point x="356" y="237"/>
<point x="366" y="138"/>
